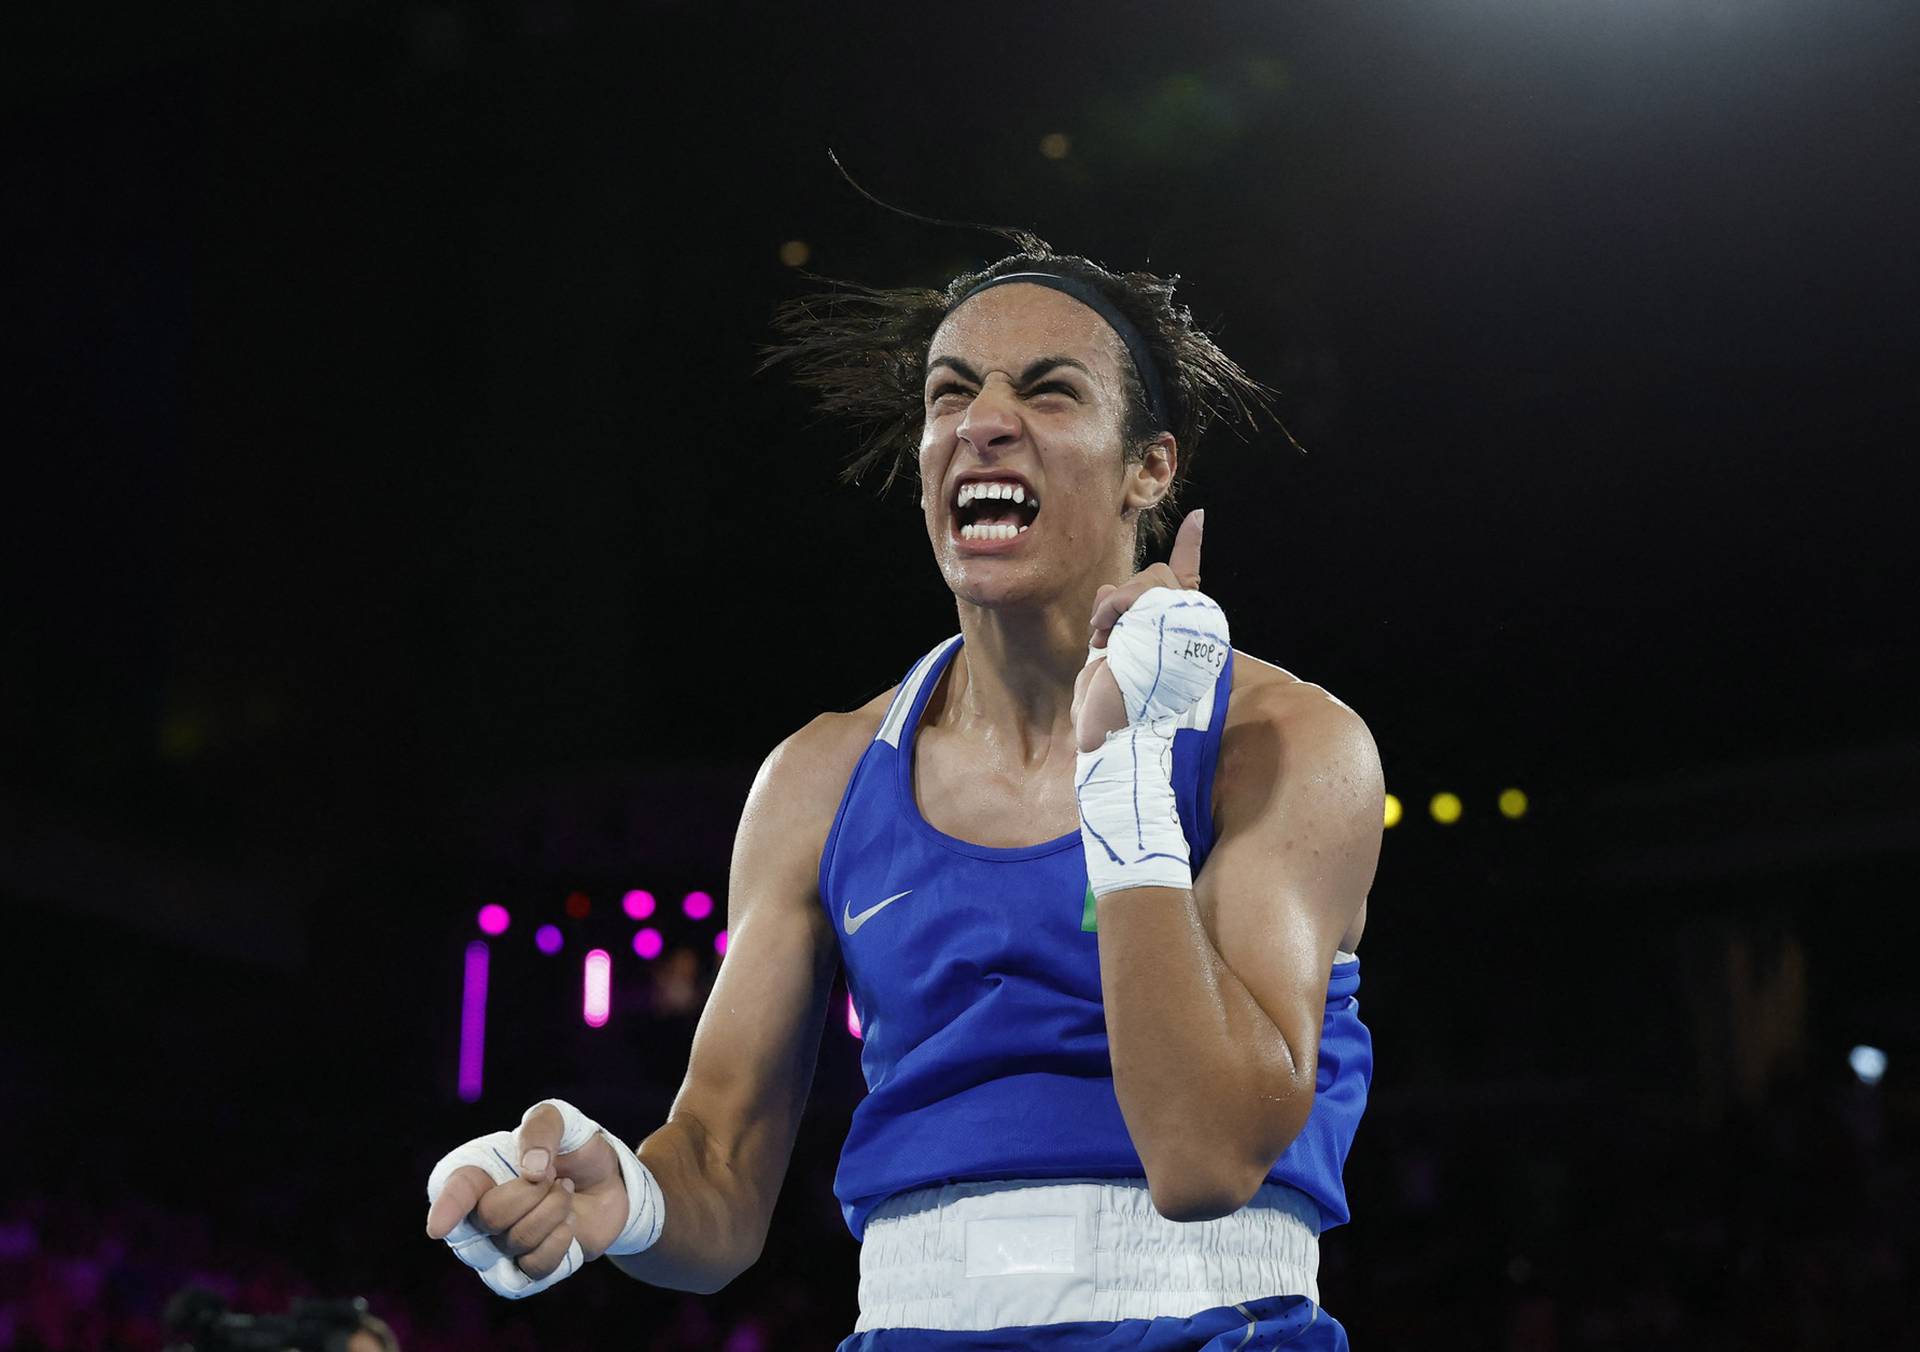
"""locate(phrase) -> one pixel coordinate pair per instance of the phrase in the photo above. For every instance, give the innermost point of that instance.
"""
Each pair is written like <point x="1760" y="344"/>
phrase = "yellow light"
<point x="1445" y="808"/>
<point x="1513" y="804"/>
<point x="1393" y="810"/>
<point x="795" y="253"/>
<point x="1055" y="145"/>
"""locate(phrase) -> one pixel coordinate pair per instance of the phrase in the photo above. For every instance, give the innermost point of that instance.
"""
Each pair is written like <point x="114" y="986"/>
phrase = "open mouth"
<point x="994" y="509"/>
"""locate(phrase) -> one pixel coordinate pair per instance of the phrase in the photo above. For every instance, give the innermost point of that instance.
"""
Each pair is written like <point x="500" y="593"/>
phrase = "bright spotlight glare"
<point x="473" y="1022"/>
<point x="1869" y="1063"/>
<point x="596" y="996"/>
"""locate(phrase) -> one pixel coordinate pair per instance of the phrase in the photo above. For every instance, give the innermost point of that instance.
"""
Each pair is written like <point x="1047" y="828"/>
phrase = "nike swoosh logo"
<point x="854" y="922"/>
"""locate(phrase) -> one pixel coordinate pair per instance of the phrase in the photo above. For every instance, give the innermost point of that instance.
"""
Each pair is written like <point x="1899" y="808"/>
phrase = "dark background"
<point x="394" y="522"/>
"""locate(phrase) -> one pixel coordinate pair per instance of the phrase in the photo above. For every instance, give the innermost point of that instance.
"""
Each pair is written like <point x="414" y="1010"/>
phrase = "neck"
<point x="1012" y="681"/>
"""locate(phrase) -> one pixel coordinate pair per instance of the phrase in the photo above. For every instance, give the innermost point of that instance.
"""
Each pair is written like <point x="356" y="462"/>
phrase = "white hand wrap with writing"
<point x="1165" y="652"/>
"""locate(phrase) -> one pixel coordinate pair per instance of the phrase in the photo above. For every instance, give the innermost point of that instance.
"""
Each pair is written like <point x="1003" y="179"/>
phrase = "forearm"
<point x="715" y="1225"/>
<point x="1200" y="1070"/>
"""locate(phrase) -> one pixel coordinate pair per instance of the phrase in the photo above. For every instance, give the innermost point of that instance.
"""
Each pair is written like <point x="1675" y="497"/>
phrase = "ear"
<point x="1150" y="478"/>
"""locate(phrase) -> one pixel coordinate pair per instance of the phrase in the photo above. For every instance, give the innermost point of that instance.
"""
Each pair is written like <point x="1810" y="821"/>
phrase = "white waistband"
<point x="1009" y="1254"/>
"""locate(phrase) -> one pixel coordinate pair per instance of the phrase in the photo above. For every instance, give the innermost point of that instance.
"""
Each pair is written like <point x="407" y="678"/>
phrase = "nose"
<point x="992" y="422"/>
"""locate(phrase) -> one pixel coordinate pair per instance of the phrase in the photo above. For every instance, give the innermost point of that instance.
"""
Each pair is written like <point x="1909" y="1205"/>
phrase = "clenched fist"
<point x="528" y="1208"/>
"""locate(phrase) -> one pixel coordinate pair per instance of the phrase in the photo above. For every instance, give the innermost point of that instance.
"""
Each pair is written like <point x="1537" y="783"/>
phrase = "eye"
<point x="940" y="392"/>
<point x="1059" y="385"/>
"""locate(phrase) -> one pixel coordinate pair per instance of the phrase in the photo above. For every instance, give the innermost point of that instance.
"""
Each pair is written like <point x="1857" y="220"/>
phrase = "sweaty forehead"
<point x="1008" y="326"/>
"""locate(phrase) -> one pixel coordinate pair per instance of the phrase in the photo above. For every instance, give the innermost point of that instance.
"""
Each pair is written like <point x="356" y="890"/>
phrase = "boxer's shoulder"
<point x="1270" y="705"/>
<point x="821" y="755"/>
<point x="1261" y="686"/>
<point x="795" y="797"/>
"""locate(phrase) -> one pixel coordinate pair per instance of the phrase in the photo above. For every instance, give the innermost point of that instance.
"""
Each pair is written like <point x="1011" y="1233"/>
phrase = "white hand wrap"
<point x="1164" y="652"/>
<point x="499" y="1154"/>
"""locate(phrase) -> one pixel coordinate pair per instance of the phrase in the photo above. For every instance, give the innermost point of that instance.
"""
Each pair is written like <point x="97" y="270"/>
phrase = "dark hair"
<point x="862" y="351"/>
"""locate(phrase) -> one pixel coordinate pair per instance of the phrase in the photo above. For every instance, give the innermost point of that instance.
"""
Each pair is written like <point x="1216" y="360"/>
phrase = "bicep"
<point x="752" y="1061"/>
<point x="1299" y="825"/>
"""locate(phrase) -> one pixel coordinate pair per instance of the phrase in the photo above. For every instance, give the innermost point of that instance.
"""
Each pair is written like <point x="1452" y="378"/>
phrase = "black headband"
<point x="1089" y="296"/>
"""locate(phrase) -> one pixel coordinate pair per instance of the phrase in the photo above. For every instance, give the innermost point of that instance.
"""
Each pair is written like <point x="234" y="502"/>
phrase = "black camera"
<point x="199" y="1321"/>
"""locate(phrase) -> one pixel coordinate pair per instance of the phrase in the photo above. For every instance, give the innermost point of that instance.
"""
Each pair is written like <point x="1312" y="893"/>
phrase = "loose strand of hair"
<point x="1026" y="239"/>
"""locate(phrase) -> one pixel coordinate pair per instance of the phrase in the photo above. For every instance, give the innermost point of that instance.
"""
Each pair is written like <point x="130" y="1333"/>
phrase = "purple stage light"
<point x="720" y="943"/>
<point x="853" y="1016"/>
<point x="473" y="1021"/>
<point x="548" y="939"/>
<point x="638" y="904"/>
<point x="648" y="943"/>
<point x="597" y="993"/>
<point x="494" y="919"/>
<point x="698" y="905"/>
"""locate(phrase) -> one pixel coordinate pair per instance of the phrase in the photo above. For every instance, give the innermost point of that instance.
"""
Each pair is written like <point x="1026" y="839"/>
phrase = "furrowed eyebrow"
<point x="1033" y="372"/>
<point x="965" y="371"/>
<point x="1046" y="364"/>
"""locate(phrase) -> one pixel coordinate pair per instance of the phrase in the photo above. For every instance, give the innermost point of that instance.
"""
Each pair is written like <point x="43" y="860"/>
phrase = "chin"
<point x="996" y="584"/>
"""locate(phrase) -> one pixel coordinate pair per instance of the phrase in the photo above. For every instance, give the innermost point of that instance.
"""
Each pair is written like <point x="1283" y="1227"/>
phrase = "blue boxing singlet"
<point x="975" y="974"/>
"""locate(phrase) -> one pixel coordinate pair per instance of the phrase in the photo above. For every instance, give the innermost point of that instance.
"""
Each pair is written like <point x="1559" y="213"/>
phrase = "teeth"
<point x="999" y="531"/>
<point x="975" y="492"/>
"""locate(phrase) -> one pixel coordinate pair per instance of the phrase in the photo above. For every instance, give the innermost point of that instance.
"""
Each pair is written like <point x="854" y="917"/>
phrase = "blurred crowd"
<point x="1481" y="1226"/>
<point x="79" y="1279"/>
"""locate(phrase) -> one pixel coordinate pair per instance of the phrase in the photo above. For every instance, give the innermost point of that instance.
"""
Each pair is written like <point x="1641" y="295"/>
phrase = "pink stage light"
<point x="473" y="1021"/>
<point x="853" y="1016"/>
<point x="494" y="919"/>
<point x="648" y="943"/>
<point x="548" y="939"/>
<point x="597" y="996"/>
<point x="638" y="904"/>
<point x="720" y="943"/>
<point x="698" y="905"/>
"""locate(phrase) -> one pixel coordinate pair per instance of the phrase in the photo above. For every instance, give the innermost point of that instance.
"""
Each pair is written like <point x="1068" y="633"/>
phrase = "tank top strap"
<point x="1196" y="755"/>
<point x="907" y="698"/>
